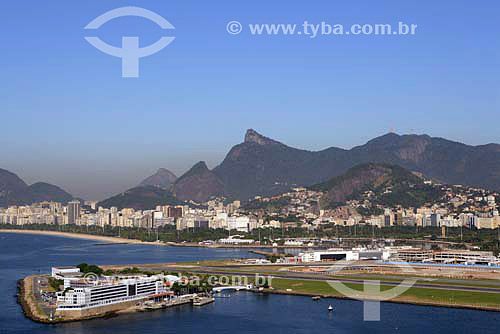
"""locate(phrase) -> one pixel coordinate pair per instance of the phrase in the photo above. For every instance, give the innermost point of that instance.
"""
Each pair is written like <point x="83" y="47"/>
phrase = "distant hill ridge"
<point x="14" y="191"/>
<point x="141" y="198"/>
<point x="263" y="166"/>
<point x="390" y="186"/>
<point x="198" y="184"/>
<point x="163" y="178"/>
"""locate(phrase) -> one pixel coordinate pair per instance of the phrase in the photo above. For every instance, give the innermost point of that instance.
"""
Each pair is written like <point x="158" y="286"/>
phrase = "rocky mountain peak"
<point x="163" y="178"/>
<point x="253" y="136"/>
<point x="14" y="191"/>
<point x="198" y="184"/>
<point x="200" y="166"/>
<point x="10" y="181"/>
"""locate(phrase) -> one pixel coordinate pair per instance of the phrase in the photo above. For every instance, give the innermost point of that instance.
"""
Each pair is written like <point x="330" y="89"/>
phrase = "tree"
<point x="85" y="268"/>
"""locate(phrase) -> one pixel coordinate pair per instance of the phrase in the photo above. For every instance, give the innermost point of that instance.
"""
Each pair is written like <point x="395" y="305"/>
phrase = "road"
<point x="39" y="283"/>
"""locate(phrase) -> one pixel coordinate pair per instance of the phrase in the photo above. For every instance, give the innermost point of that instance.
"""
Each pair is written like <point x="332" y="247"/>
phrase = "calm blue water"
<point x="244" y="312"/>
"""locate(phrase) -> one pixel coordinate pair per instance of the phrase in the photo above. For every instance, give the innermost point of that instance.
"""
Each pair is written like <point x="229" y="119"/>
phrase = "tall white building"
<point x="73" y="212"/>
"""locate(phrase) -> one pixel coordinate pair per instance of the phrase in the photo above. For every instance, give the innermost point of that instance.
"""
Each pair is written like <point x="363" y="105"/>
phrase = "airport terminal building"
<point x="344" y="255"/>
<point x="82" y="296"/>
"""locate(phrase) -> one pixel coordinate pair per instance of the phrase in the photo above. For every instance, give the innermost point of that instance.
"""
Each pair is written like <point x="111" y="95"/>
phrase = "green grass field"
<point x="416" y="295"/>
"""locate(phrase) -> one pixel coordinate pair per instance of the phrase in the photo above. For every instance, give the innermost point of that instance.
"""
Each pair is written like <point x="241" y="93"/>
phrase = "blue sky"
<point x="69" y="118"/>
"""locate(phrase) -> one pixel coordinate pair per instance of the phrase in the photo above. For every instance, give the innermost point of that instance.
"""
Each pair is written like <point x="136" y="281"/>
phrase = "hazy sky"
<point x="69" y="118"/>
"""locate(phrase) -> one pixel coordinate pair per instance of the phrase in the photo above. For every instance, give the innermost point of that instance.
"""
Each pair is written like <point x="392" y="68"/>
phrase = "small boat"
<point x="200" y="301"/>
<point x="330" y="308"/>
<point x="316" y="298"/>
<point x="152" y="307"/>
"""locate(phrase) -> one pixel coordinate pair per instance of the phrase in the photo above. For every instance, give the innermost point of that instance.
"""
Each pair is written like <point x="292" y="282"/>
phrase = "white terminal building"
<point x="447" y="256"/>
<point x="403" y="254"/>
<point x="345" y="255"/>
<point x="80" y="295"/>
<point x="236" y="240"/>
<point x="61" y="272"/>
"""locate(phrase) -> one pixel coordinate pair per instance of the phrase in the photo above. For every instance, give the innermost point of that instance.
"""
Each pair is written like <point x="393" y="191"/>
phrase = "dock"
<point x="194" y="299"/>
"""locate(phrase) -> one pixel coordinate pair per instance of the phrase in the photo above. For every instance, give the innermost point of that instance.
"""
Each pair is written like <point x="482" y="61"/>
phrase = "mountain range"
<point x="263" y="166"/>
<point x="14" y="191"/>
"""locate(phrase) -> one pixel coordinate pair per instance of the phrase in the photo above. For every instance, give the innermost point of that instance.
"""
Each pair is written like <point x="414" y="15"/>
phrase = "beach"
<point x="82" y="236"/>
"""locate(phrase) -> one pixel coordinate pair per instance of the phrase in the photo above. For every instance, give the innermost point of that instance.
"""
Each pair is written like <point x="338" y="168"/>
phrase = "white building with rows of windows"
<point x="103" y="292"/>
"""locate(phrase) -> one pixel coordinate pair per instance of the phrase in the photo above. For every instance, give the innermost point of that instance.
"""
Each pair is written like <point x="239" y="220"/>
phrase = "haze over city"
<point x="75" y="122"/>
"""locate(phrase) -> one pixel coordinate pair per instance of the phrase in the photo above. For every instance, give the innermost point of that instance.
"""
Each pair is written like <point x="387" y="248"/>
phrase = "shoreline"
<point x="31" y="310"/>
<point x="115" y="240"/>
<point x="119" y="240"/>
<point x="392" y="301"/>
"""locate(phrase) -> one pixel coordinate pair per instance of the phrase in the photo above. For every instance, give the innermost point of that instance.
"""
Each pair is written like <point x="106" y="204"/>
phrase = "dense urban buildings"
<point x="460" y="207"/>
